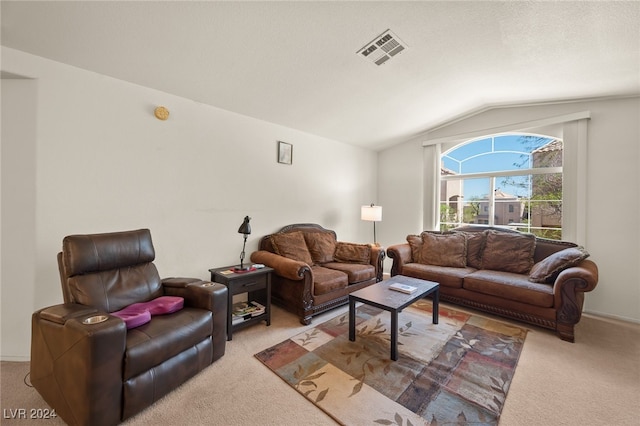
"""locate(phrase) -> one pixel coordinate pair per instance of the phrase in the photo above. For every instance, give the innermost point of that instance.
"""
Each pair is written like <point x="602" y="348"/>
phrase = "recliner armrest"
<point x="62" y="313"/>
<point x="204" y="295"/>
<point x="77" y="367"/>
<point x="197" y="293"/>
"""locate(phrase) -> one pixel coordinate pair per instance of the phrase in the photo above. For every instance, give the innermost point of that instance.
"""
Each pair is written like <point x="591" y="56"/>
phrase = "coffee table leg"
<point x="436" y="303"/>
<point x="352" y="319"/>
<point x="394" y="335"/>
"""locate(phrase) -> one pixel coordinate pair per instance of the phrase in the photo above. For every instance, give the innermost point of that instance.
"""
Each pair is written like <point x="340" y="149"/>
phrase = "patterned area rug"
<point x="454" y="373"/>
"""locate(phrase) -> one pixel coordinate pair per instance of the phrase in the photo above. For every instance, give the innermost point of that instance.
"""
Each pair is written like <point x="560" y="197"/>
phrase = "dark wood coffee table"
<point x="380" y="296"/>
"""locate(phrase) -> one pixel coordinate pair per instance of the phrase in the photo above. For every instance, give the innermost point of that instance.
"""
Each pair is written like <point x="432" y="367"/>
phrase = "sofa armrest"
<point x="283" y="266"/>
<point x="569" y="289"/>
<point x="401" y="255"/>
<point x="377" y="260"/>
<point x="75" y="365"/>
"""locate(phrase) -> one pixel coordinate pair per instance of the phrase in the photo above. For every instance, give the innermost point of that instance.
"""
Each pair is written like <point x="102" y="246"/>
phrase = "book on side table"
<point x="243" y="311"/>
<point x="403" y="288"/>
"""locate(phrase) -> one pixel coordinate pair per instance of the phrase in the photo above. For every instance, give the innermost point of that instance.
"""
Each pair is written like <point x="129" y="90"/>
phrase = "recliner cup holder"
<point x="96" y="319"/>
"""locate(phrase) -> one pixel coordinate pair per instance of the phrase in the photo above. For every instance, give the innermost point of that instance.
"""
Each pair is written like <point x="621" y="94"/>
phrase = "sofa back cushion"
<point x="546" y="247"/>
<point x="444" y="249"/>
<point x="321" y="245"/>
<point x="475" y="246"/>
<point x="292" y="245"/>
<point x="352" y="253"/>
<point x="509" y="252"/>
<point x="415" y="242"/>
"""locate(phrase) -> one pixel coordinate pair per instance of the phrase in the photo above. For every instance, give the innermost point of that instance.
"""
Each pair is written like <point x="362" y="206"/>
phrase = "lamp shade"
<point x="371" y="213"/>
<point x="245" y="228"/>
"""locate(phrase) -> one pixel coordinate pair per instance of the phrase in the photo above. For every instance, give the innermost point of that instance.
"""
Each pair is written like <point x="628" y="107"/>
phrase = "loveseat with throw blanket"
<point x="313" y="271"/>
<point x="504" y="272"/>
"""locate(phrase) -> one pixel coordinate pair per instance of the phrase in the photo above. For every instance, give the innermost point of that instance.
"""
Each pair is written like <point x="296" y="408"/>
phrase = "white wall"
<point x="18" y="231"/>
<point x="612" y="191"/>
<point x="103" y="163"/>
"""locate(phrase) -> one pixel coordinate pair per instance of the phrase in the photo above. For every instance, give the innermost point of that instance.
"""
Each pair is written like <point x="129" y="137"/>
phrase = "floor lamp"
<point x="372" y="213"/>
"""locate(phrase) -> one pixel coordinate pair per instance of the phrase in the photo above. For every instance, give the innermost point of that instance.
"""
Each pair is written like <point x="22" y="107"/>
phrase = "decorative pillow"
<point x="321" y="245"/>
<point x="509" y="252"/>
<point x="475" y="246"/>
<point x="415" y="242"/>
<point x="292" y="245"/>
<point x="548" y="268"/>
<point x="352" y="253"/>
<point x="444" y="249"/>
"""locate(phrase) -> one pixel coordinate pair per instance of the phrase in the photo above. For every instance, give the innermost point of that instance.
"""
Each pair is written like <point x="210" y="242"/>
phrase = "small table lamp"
<point x="373" y="214"/>
<point x="244" y="229"/>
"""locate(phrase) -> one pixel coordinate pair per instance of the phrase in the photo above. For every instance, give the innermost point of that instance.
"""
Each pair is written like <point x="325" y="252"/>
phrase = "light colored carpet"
<point x="595" y="381"/>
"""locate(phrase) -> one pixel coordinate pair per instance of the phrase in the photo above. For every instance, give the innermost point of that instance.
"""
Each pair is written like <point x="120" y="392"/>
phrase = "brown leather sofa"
<point x="102" y="373"/>
<point x="313" y="272"/>
<point x="503" y="272"/>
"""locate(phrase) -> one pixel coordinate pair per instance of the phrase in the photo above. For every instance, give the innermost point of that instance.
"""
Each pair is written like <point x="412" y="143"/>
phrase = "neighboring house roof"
<point x="554" y="145"/>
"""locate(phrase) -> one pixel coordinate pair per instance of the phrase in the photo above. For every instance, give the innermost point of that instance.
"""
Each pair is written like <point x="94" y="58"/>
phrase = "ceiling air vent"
<point x="382" y="48"/>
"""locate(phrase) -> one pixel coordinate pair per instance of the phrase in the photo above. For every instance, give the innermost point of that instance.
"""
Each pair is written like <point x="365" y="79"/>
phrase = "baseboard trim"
<point x="13" y="358"/>
<point x="610" y="316"/>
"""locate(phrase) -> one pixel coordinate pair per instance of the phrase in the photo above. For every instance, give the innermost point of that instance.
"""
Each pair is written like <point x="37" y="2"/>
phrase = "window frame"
<point x="492" y="175"/>
<point x="571" y="127"/>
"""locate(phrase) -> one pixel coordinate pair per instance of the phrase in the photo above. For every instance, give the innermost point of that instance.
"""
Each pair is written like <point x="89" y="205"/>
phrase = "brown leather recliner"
<point x="102" y="373"/>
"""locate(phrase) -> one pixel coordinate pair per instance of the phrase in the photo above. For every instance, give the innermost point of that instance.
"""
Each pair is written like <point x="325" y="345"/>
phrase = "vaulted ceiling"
<point x="296" y="63"/>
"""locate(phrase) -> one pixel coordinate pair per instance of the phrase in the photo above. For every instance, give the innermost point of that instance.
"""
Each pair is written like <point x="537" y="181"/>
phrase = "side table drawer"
<point x="252" y="283"/>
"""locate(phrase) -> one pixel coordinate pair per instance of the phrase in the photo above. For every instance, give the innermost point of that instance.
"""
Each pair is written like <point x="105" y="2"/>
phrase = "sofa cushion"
<point x="164" y="305"/>
<point x="356" y="272"/>
<point x="138" y="314"/>
<point x="133" y="316"/>
<point x="511" y="286"/>
<point x="165" y="336"/>
<point x="444" y="249"/>
<point x="415" y="242"/>
<point x="446" y="276"/>
<point x="353" y="253"/>
<point x="326" y="280"/>
<point x="321" y="245"/>
<point x="292" y="245"/>
<point x="475" y="246"/>
<point x="508" y="252"/>
<point x="548" y="269"/>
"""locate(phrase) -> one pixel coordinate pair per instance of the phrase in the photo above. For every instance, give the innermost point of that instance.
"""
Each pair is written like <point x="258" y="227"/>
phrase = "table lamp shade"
<point x="245" y="228"/>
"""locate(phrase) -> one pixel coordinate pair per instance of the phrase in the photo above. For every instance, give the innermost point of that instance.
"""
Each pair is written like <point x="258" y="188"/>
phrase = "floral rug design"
<point x="455" y="372"/>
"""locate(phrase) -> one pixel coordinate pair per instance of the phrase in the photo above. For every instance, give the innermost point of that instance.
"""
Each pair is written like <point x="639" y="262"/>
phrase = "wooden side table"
<point x="257" y="285"/>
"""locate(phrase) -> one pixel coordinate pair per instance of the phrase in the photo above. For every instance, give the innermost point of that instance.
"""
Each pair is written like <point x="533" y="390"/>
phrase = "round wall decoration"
<point x="161" y="113"/>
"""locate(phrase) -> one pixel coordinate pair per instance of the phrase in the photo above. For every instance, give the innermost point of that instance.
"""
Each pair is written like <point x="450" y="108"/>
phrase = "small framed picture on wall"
<point x="285" y="153"/>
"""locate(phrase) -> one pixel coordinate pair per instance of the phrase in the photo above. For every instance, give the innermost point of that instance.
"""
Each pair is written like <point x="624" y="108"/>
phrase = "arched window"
<point x="512" y="180"/>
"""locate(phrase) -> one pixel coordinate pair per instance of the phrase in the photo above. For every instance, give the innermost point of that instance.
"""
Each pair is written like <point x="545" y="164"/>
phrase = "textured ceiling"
<point x="295" y="63"/>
